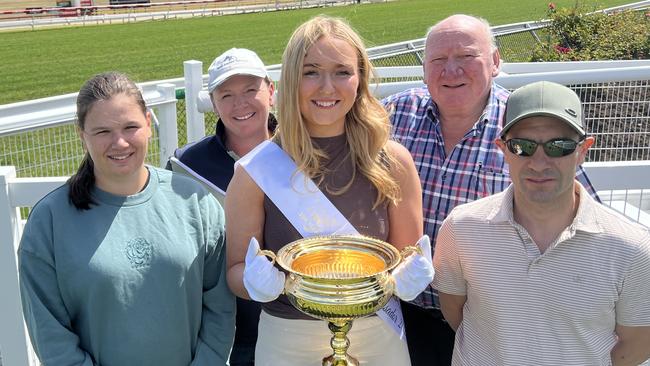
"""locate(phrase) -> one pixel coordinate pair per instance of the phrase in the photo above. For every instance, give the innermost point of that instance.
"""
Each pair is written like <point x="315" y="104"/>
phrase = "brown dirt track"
<point x="22" y="4"/>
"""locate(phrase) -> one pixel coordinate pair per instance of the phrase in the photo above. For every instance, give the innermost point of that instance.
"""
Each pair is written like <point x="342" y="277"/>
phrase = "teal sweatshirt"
<point x="137" y="280"/>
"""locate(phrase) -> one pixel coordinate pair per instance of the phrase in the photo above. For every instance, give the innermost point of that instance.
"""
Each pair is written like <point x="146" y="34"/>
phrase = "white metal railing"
<point x="25" y="192"/>
<point x="39" y="114"/>
<point x="54" y="111"/>
<point x="513" y="75"/>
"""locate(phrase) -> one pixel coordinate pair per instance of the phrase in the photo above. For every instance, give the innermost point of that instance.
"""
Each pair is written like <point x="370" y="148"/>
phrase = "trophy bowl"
<point x="338" y="279"/>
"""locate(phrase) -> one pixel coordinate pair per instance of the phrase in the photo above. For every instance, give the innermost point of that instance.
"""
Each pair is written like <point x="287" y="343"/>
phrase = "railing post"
<point x="168" y="124"/>
<point x="13" y="337"/>
<point x="193" y="71"/>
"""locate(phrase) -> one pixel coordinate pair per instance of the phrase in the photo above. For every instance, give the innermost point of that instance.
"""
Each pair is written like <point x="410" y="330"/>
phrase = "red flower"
<point x="561" y="49"/>
<point x="551" y="6"/>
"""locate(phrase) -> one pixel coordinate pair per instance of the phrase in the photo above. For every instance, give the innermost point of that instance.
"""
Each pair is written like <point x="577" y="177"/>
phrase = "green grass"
<point x="49" y="62"/>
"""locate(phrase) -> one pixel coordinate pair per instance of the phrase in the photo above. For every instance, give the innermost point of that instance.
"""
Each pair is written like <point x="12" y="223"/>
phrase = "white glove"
<point x="415" y="273"/>
<point x="262" y="280"/>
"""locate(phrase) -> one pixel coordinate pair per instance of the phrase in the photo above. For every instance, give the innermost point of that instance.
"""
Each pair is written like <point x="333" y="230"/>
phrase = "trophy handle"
<point x="268" y="254"/>
<point x="410" y="250"/>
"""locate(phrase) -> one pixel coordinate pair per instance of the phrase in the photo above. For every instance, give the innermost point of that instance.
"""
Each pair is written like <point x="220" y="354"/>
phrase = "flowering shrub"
<point x="573" y="35"/>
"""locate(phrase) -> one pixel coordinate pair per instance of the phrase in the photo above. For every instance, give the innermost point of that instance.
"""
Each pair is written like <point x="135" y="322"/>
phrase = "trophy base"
<point x="348" y="361"/>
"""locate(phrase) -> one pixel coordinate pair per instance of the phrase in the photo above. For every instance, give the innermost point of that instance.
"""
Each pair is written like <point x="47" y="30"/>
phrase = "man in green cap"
<point x="542" y="274"/>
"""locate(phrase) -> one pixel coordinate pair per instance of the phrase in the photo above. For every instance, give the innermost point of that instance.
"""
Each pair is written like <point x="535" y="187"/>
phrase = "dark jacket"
<point x="209" y="156"/>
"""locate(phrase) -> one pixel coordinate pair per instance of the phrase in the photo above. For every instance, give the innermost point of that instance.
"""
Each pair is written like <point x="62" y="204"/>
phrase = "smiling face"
<point x="540" y="179"/>
<point x="116" y="133"/>
<point x="459" y="65"/>
<point x="243" y="103"/>
<point x="328" y="86"/>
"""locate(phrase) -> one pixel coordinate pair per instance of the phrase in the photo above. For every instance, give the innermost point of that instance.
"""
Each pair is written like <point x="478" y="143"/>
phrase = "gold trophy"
<point x="339" y="279"/>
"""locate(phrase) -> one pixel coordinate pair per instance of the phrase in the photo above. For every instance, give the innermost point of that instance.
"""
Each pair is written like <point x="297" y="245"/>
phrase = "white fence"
<point x="60" y="110"/>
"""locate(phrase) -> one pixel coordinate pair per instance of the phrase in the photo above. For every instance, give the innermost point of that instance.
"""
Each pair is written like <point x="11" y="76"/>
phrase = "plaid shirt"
<point x="474" y="169"/>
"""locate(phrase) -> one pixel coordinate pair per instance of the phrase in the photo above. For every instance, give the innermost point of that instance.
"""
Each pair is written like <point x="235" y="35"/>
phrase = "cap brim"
<point x="225" y="76"/>
<point x="568" y="121"/>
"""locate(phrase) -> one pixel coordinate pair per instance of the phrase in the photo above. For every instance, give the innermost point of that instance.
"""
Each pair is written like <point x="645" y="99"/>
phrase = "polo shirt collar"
<point x="585" y="219"/>
<point x="503" y="212"/>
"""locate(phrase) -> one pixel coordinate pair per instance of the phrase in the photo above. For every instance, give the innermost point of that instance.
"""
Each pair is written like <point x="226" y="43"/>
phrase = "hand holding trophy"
<point x="415" y="272"/>
<point x="262" y="280"/>
<point x="339" y="278"/>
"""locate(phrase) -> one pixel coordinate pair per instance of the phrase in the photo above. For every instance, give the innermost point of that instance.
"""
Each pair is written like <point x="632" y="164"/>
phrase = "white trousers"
<point x="294" y="342"/>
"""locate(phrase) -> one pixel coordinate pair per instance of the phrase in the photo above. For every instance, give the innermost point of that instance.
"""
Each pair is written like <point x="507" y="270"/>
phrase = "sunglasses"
<point x="554" y="148"/>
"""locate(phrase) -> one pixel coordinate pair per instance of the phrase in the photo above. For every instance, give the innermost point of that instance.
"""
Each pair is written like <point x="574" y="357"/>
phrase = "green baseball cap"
<point x="544" y="98"/>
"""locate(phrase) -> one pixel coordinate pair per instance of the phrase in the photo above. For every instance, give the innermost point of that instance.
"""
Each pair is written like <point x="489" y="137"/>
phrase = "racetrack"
<point x="23" y="4"/>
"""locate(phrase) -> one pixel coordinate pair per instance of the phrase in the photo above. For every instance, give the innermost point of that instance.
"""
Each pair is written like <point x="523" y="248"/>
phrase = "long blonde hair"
<point x="367" y="127"/>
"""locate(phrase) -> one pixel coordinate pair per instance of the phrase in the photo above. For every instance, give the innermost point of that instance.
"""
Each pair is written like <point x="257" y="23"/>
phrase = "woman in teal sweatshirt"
<point x="124" y="264"/>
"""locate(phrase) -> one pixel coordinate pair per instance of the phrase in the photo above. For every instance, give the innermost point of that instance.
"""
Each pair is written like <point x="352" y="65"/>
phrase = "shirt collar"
<point x="503" y="212"/>
<point x="492" y="108"/>
<point x="585" y="219"/>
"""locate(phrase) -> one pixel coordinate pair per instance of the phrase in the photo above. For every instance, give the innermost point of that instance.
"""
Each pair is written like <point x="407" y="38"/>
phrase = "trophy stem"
<point x="340" y="344"/>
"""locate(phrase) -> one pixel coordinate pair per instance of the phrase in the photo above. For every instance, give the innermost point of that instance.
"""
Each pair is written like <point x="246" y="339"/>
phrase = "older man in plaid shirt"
<point x="450" y="127"/>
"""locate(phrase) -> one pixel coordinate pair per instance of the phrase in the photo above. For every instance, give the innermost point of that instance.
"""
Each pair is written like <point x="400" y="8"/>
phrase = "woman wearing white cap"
<point x="242" y="95"/>
<point x="336" y="133"/>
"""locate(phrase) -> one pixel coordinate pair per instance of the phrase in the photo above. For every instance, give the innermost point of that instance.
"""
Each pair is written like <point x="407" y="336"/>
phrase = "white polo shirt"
<point x="555" y="308"/>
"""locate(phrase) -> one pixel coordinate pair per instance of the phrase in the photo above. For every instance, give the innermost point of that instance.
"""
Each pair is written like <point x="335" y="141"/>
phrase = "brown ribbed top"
<point x="355" y="204"/>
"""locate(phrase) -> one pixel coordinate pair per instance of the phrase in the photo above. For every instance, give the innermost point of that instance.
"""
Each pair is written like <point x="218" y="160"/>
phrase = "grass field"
<point x="50" y="62"/>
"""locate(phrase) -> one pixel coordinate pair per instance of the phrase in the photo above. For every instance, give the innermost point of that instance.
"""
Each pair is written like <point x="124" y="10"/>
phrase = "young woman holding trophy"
<point x="333" y="136"/>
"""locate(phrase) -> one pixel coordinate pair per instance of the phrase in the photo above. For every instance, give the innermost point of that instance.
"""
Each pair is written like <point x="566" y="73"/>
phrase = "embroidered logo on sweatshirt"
<point x="138" y="252"/>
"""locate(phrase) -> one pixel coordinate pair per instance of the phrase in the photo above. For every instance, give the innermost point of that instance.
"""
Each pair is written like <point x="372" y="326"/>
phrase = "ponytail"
<point x="81" y="185"/>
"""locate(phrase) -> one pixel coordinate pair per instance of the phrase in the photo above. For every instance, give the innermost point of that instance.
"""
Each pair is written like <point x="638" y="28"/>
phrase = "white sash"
<point x="305" y="206"/>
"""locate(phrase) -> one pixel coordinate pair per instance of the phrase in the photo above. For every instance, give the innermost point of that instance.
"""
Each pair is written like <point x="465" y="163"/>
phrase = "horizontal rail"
<point x="47" y="112"/>
<point x="61" y="109"/>
<point x="513" y="81"/>
<point x="26" y="192"/>
<point x="526" y="67"/>
<point x="621" y="175"/>
<point x="576" y="76"/>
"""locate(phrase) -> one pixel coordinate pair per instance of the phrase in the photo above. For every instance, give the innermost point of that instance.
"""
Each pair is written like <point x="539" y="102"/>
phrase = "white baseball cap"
<point x="235" y="61"/>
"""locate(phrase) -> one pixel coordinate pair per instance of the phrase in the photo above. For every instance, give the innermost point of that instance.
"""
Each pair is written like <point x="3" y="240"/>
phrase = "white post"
<point x="13" y="337"/>
<point x="168" y="126"/>
<point x="193" y="71"/>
